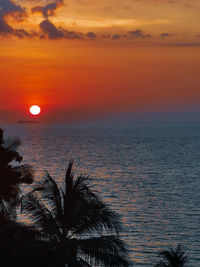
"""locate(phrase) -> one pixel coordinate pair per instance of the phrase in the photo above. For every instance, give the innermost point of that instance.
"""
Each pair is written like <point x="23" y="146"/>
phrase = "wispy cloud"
<point x="166" y="35"/>
<point x="52" y="32"/>
<point x="138" y="34"/>
<point x="130" y="35"/>
<point x="49" y="9"/>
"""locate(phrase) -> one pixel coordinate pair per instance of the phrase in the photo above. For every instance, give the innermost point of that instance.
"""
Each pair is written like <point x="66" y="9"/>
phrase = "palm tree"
<point x="173" y="258"/>
<point x="78" y="228"/>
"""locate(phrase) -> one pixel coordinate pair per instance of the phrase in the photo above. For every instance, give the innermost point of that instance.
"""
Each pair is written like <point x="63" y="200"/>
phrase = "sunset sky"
<point x="83" y="59"/>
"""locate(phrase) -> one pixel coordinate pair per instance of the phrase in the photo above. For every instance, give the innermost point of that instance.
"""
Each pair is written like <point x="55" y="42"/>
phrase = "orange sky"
<point x="138" y="55"/>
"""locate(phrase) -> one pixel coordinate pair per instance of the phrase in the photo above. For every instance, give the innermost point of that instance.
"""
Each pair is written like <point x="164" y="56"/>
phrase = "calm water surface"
<point x="149" y="174"/>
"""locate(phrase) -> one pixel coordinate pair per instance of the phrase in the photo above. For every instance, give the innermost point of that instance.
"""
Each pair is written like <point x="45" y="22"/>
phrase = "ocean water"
<point x="149" y="174"/>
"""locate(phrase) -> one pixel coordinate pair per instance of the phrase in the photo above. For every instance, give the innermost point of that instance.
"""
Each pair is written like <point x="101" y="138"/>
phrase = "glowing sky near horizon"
<point x="84" y="58"/>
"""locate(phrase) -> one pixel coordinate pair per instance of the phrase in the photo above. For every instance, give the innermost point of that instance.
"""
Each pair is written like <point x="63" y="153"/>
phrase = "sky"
<point x="82" y="60"/>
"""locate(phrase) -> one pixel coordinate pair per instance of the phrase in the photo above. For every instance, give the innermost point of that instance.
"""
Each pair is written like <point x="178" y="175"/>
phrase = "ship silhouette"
<point x="21" y="121"/>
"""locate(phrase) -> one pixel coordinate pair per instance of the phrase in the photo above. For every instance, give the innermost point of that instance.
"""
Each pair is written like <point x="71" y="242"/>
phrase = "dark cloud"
<point x="72" y="34"/>
<point x="4" y="27"/>
<point x="22" y="33"/>
<point x="138" y="34"/>
<point x="9" y="8"/>
<point x="165" y="35"/>
<point x="49" y="9"/>
<point x="91" y="35"/>
<point x="105" y="36"/>
<point x="116" y="36"/>
<point x="50" y="30"/>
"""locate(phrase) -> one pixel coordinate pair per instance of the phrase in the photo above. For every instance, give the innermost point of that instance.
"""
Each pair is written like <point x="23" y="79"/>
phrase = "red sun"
<point x="35" y="110"/>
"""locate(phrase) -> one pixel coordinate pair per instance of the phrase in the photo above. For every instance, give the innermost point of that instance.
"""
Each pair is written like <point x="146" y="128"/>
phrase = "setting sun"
<point x="35" y="110"/>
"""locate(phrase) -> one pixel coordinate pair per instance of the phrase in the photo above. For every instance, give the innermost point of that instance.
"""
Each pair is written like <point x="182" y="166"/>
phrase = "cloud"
<point x="52" y="32"/>
<point x="21" y="33"/>
<point x="49" y="9"/>
<point x="165" y="35"/>
<point x="4" y="27"/>
<point x="9" y="8"/>
<point x="138" y="34"/>
<point x="91" y="35"/>
<point x="48" y="29"/>
<point x="72" y="34"/>
<point x="116" y="36"/>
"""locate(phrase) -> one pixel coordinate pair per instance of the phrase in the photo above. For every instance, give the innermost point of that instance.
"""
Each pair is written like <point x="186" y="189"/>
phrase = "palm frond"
<point x="84" y="212"/>
<point x="69" y="176"/>
<point x="84" y="187"/>
<point x="50" y="192"/>
<point x="174" y="257"/>
<point x="107" y="243"/>
<point x="84" y="263"/>
<point x="40" y="214"/>
<point x="84" y="182"/>
<point x="106" y="250"/>
<point x="95" y="216"/>
<point x="106" y="259"/>
<point x="167" y="254"/>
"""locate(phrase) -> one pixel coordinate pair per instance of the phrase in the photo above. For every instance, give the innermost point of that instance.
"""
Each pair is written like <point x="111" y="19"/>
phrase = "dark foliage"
<point x="15" y="238"/>
<point x="173" y="258"/>
<point x="77" y="227"/>
<point x="19" y="246"/>
<point x="11" y="175"/>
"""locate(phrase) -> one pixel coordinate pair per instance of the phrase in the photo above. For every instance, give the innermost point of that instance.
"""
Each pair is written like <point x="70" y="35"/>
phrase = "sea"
<point x="148" y="173"/>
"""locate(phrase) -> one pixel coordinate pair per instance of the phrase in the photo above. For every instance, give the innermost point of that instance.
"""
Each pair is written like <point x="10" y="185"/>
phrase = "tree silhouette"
<point x="12" y="174"/>
<point x="173" y="258"/>
<point x="13" y="235"/>
<point x="78" y="228"/>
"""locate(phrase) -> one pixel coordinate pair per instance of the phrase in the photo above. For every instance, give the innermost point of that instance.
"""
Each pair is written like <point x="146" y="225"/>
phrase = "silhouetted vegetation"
<point x="172" y="258"/>
<point x="19" y="246"/>
<point x="11" y="176"/>
<point x="78" y="228"/>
